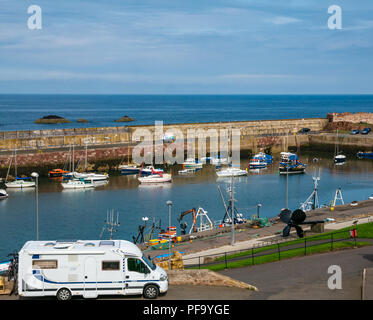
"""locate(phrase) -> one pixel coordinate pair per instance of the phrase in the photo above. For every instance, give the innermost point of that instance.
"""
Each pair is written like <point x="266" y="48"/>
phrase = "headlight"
<point x="163" y="277"/>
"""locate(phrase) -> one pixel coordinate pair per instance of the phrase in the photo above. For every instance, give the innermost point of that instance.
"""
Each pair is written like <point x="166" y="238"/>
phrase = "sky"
<point x="186" y="47"/>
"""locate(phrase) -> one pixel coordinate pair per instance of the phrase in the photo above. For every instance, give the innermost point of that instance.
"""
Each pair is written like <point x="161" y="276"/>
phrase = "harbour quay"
<point x="107" y="146"/>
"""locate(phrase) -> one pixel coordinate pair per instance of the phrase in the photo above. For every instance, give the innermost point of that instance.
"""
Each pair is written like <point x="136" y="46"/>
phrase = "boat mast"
<point x="336" y="149"/>
<point x="73" y="157"/>
<point x="15" y="162"/>
<point x="10" y="164"/>
<point x="86" y="156"/>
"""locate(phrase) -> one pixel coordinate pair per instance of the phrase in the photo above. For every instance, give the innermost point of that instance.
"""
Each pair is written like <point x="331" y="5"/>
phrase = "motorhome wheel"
<point x="151" y="292"/>
<point x="63" y="294"/>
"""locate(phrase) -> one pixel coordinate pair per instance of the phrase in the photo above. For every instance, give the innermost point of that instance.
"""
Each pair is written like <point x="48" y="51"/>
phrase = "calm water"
<point x="18" y="112"/>
<point x="81" y="214"/>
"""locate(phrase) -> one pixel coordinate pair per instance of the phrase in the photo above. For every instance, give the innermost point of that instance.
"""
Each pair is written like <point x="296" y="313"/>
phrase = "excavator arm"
<point x="183" y="214"/>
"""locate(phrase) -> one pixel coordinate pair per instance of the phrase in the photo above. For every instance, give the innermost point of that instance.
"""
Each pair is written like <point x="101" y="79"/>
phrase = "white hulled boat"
<point x="156" y="178"/>
<point x="3" y="194"/>
<point x="192" y="163"/>
<point x="231" y="172"/>
<point x="77" y="184"/>
<point x="20" y="184"/>
<point x="87" y="176"/>
<point x="339" y="158"/>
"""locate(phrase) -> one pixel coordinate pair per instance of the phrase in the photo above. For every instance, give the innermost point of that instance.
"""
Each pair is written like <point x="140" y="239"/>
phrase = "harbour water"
<point x="18" y="112"/>
<point x="80" y="214"/>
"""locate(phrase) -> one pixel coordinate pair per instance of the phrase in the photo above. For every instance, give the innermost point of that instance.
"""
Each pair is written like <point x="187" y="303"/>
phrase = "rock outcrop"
<point x="51" y="119"/>
<point x="125" y="119"/>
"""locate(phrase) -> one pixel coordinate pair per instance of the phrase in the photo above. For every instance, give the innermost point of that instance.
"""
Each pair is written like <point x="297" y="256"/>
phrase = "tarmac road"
<point x="306" y="277"/>
<point x="186" y="292"/>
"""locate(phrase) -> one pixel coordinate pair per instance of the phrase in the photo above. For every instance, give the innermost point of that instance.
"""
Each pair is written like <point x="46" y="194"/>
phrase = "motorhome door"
<point x="136" y="276"/>
<point x="90" y="277"/>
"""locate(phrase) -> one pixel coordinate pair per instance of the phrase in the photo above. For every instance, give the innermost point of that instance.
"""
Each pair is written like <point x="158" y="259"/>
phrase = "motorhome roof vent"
<point x="89" y="244"/>
<point x="62" y="245"/>
<point x="49" y="244"/>
<point x="107" y="243"/>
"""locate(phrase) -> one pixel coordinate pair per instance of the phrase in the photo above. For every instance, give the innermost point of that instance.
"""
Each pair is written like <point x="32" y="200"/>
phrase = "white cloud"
<point x="281" y="20"/>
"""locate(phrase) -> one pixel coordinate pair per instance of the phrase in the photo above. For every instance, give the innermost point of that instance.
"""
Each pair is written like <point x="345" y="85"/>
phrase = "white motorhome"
<point x="87" y="268"/>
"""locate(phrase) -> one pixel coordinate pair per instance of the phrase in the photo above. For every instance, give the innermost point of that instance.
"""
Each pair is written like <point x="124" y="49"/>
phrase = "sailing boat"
<point x="19" y="183"/>
<point x="86" y="176"/>
<point x="128" y="169"/>
<point x="338" y="157"/>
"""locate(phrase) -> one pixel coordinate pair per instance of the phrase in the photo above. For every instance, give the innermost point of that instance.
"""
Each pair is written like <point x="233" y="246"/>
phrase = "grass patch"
<point x="364" y="231"/>
<point x="286" y="255"/>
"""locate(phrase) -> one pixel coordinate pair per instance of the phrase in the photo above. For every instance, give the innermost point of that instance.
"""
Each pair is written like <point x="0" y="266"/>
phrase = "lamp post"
<point x="232" y="209"/>
<point x="36" y="176"/>
<point x="169" y="203"/>
<point x="258" y="207"/>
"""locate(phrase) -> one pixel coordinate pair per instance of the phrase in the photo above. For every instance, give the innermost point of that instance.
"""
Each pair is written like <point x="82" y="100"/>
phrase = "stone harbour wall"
<point x="357" y="117"/>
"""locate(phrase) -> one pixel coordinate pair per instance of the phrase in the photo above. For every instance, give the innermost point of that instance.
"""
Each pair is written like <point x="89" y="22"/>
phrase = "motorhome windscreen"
<point x="137" y="265"/>
<point x="149" y="263"/>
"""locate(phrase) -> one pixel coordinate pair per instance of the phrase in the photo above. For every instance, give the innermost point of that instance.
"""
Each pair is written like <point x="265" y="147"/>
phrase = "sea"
<point x="80" y="214"/>
<point x="18" y="112"/>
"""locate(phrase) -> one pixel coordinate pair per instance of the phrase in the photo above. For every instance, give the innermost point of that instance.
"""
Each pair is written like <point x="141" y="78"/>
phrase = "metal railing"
<point x="276" y="248"/>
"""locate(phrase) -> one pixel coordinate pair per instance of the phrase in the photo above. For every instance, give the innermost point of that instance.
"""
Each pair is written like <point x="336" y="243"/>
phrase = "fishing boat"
<point x="57" y="173"/>
<point x="260" y="160"/>
<point x="339" y="158"/>
<point x="365" y="155"/>
<point x="156" y="178"/>
<point x="171" y="231"/>
<point x="3" y="194"/>
<point x="77" y="184"/>
<point x="4" y="266"/>
<point x="192" y="163"/>
<point x="290" y="164"/>
<point x="231" y="172"/>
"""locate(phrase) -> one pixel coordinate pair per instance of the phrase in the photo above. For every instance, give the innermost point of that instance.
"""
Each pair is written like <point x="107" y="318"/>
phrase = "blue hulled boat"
<point x="365" y="155"/>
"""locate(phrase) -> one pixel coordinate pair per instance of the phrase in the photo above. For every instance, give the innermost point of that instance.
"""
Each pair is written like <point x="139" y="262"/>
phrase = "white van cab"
<point x="87" y="268"/>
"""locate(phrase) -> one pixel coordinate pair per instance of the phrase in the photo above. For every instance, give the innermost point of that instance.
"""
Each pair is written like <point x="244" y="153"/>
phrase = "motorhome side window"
<point x="44" y="264"/>
<point x="110" y="265"/>
<point x="136" y="265"/>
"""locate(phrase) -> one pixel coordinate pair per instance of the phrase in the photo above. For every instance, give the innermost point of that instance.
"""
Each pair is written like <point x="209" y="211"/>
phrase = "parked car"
<point x="355" y="131"/>
<point x="304" y="130"/>
<point x="366" y="130"/>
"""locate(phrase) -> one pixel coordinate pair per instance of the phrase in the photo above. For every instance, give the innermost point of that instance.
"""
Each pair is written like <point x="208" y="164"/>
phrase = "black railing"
<point x="277" y="249"/>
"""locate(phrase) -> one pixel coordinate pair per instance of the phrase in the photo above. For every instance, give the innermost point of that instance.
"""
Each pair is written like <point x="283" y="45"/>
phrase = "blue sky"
<point x="186" y="46"/>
